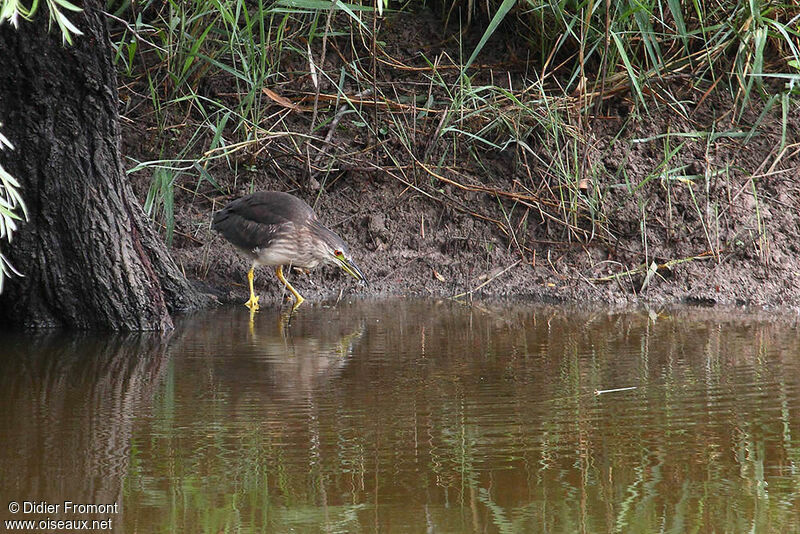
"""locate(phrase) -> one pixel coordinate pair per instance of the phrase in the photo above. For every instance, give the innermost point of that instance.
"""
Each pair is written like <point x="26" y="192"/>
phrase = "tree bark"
<point x="89" y="256"/>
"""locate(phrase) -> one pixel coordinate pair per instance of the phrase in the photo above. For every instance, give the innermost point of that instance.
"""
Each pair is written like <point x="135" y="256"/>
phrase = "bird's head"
<point x="336" y="252"/>
<point x="342" y="259"/>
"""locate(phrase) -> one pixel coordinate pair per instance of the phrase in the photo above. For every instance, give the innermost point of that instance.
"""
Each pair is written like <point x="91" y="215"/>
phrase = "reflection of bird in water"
<point x="299" y="363"/>
<point x="271" y="363"/>
<point x="277" y="229"/>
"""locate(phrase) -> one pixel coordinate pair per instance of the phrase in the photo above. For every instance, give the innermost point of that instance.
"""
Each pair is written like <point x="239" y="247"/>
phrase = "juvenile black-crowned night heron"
<point x="277" y="229"/>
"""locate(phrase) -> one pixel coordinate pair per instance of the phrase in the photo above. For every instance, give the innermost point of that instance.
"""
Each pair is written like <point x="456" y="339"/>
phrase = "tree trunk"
<point x="89" y="256"/>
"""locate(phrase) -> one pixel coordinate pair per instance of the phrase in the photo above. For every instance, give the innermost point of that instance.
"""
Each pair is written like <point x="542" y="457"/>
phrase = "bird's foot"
<point x="252" y="303"/>
<point x="297" y="302"/>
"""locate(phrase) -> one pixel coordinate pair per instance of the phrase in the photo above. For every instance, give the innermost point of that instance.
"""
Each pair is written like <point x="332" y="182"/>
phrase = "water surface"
<point x="417" y="416"/>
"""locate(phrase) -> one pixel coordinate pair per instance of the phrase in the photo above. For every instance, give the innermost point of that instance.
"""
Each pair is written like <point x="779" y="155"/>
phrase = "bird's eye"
<point x="337" y="253"/>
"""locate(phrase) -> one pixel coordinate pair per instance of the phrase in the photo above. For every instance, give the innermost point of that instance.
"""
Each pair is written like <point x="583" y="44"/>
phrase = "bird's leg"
<point x="253" y="302"/>
<point x="252" y="323"/>
<point x="284" y="322"/>
<point x="298" y="298"/>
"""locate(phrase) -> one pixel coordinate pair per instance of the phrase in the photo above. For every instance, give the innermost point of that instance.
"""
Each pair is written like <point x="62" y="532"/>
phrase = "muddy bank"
<point x="672" y="204"/>
<point x="411" y="244"/>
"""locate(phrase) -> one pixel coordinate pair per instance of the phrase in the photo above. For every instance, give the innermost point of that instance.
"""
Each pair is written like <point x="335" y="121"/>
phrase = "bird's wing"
<point x="254" y="221"/>
<point x="267" y="205"/>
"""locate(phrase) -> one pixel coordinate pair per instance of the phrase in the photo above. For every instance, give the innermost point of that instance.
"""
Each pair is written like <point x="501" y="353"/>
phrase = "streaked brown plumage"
<point x="277" y="229"/>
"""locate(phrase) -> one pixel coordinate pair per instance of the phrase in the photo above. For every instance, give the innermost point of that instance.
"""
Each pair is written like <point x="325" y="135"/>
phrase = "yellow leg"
<point x="298" y="298"/>
<point x="253" y="302"/>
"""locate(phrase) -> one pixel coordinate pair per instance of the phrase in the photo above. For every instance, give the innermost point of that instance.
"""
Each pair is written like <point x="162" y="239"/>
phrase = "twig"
<point x="601" y="391"/>
<point x="334" y="123"/>
<point x="526" y="200"/>
<point x="134" y="32"/>
<point x="322" y="64"/>
<point x="471" y="291"/>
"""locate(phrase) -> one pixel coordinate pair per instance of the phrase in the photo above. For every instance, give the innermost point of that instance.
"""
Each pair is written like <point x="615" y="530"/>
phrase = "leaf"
<point x="650" y="272"/>
<point x="67" y="28"/>
<point x="68" y="5"/>
<point x="677" y="16"/>
<point x="4" y="141"/>
<point x="281" y="100"/>
<point x="631" y="73"/>
<point x="505" y="7"/>
<point x="312" y="67"/>
<point x="315" y="5"/>
<point x="320" y="5"/>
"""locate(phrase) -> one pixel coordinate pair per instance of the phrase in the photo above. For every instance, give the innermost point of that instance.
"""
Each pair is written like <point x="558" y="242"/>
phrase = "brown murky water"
<point x="413" y="416"/>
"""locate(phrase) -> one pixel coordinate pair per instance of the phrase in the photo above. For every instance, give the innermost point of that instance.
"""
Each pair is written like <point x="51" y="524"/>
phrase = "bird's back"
<point x="254" y="221"/>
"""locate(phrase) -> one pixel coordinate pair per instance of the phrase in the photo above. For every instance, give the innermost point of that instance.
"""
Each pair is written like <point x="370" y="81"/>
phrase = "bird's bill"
<point x="351" y="268"/>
